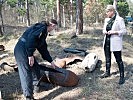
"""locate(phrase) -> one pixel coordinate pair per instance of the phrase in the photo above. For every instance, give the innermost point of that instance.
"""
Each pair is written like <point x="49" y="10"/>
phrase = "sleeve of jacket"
<point x="33" y="35"/>
<point x="122" y="28"/>
<point x="44" y="52"/>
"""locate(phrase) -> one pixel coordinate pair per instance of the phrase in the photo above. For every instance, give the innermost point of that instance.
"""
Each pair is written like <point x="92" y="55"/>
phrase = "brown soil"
<point x="90" y="86"/>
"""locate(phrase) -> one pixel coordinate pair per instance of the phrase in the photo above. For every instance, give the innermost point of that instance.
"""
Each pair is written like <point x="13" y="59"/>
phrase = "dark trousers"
<point x="28" y="75"/>
<point x="117" y="55"/>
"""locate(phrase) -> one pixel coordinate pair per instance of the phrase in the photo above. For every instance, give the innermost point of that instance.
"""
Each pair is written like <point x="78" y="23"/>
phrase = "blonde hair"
<point x="110" y="8"/>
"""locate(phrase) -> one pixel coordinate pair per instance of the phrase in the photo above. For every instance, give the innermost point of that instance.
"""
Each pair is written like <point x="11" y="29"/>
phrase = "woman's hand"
<point x="105" y="32"/>
<point x="112" y="32"/>
<point x="31" y="61"/>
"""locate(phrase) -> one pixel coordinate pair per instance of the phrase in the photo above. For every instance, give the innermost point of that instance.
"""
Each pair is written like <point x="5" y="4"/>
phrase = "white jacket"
<point x="115" y="40"/>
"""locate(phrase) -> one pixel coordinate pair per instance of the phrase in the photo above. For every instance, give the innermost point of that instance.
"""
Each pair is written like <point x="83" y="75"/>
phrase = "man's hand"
<point x="53" y="64"/>
<point x="31" y="61"/>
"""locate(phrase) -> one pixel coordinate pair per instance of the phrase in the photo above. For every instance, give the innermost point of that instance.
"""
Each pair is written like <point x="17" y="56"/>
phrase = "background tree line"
<point x="68" y="13"/>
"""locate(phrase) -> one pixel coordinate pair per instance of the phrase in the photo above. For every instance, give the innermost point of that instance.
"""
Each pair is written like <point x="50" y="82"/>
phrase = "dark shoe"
<point x="106" y="74"/>
<point x="36" y="89"/>
<point x="121" y="80"/>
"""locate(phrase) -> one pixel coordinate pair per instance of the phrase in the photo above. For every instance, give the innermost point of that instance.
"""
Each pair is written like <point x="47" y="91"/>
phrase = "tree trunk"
<point x="53" y="14"/>
<point x="79" y="17"/>
<point x="2" y="23"/>
<point x="64" y="18"/>
<point x="27" y="9"/>
<point x="115" y="5"/>
<point x="71" y="12"/>
<point x="58" y="13"/>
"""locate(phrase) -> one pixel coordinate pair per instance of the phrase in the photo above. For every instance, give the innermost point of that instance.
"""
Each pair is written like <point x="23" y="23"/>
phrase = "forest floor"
<point x="90" y="86"/>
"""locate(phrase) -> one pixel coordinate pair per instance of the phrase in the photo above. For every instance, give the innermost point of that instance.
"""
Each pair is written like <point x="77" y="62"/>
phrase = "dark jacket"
<point x="35" y="38"/>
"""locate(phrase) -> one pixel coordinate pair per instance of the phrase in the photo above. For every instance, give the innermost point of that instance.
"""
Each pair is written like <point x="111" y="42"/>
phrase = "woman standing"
<point x="114" y="28"/>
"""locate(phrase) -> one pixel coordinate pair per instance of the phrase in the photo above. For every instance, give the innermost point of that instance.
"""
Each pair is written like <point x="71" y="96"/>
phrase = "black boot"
<point x="107" y="73"/>
<point x="121" y="69"/>
<point x="121" y="80"/>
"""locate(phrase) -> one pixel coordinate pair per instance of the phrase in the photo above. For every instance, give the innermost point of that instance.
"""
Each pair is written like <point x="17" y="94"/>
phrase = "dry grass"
<point x="90" y="86"/>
